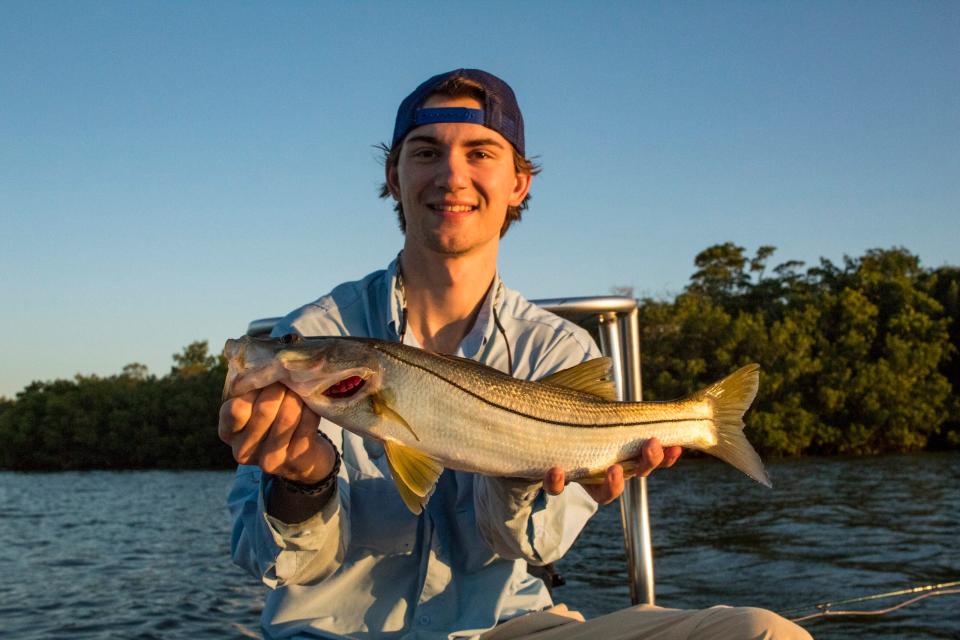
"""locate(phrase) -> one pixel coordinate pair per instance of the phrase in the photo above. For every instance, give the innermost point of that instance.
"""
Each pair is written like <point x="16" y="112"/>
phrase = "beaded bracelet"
<point x="321" y="486"/>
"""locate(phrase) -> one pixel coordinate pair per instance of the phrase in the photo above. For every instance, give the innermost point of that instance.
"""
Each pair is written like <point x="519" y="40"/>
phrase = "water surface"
<point x="146" y="554"/>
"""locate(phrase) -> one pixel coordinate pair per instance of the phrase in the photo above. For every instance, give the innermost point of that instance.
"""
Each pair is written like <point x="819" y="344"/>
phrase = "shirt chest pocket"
<point x="379" y="521"/>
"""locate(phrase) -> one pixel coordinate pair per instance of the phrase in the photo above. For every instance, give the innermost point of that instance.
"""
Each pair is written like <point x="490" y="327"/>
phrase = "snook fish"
<point x="433" y="411"/>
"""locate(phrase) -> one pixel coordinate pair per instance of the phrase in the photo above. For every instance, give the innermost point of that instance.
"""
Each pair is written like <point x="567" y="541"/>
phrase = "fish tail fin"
<point x="731" y="397"/>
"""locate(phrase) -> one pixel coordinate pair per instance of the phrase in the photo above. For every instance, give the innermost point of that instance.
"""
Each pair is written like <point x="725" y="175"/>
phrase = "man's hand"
<point x="271" y="428"/>
<point x="653" y="457"/>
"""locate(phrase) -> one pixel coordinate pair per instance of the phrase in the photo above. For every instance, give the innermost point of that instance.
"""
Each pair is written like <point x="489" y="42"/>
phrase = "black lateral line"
<point x="527" y="415"/>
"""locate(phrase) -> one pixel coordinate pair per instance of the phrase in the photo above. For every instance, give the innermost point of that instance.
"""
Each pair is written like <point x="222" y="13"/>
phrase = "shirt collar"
<point x="395" y="302"/>
<point x="484" y="325"/>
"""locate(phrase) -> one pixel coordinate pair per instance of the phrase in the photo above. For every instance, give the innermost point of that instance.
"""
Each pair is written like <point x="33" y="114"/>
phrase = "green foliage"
<point x="132" y="420"/>
<point x="944" y="286"/>
<point x="856" y="359"/>
<point x="195" y="360"/>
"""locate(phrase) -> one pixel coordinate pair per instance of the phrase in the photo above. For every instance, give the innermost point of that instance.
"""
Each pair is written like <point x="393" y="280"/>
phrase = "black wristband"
<point x="321" y="486"/>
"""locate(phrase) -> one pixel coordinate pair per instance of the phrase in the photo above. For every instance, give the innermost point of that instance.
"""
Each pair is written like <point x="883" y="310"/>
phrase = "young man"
<point x="317" y="516"/>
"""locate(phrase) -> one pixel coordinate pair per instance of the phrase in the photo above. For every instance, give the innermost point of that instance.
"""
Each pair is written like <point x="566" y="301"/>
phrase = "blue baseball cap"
<point x="500" y="109"/>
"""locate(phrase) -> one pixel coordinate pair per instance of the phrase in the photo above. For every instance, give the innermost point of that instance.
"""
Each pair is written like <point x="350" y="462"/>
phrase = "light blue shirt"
<point x="364" y="566"/>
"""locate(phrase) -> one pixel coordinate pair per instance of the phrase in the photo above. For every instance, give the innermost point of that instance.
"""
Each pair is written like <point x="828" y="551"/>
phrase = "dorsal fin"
<point x="592" y="376"/>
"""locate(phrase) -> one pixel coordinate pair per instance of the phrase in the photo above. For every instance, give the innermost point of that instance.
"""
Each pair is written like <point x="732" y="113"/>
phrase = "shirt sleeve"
<point x="280" y="553"/>
<point x="517" y="518"/>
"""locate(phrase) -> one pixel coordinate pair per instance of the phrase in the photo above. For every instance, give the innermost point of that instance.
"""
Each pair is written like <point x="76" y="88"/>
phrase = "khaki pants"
<point x="644" y="622"/>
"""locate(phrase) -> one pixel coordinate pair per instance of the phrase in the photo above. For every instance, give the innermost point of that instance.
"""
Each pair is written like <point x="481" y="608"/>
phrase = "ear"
<point x="520" y="188"/>
<point x="393" y="179"/>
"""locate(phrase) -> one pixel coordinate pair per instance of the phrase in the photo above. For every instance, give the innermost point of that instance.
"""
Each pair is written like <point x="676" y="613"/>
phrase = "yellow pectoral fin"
<point x="414" y="472"/>
<point x="381" y="408"/>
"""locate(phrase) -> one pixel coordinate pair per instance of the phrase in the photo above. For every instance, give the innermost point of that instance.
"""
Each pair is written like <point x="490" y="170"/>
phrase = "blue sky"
<point x="171" y="170"/>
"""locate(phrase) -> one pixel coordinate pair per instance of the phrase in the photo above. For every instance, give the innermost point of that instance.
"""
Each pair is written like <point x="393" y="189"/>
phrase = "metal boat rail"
<point x="614" y="323"/>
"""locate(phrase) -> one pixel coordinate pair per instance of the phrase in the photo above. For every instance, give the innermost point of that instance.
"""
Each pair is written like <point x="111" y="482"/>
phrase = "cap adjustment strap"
<point x="448" y="114"/>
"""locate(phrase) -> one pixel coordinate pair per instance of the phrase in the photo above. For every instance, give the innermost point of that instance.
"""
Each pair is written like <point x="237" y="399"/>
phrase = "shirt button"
<point x="424" y="620"/>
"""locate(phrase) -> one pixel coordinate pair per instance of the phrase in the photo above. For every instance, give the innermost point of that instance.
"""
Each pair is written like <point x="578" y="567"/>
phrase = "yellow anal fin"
<point x="629" y="470"/>
<point x="414" y="473"/>
<point x="592" y="376"/>
<point x="380" y="407"/>
<point x="414" y="502"/>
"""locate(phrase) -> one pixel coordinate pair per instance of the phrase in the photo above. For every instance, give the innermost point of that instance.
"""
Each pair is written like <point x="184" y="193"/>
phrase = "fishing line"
<point x="503" y="332"/>
<point x="826" y="608"/>
<point x="402" y="332"/>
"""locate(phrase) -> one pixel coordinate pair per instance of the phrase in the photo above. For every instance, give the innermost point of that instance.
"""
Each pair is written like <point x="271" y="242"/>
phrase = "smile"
<point x="452" y="208"/>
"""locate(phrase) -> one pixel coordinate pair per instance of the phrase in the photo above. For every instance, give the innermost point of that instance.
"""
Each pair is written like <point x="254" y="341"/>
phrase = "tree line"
<point x="134" y="420"/>
<point x="857" y="358"/>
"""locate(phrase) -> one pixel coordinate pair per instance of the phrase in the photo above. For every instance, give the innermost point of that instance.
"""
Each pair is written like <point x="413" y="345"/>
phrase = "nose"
<point x="452" y="173"/>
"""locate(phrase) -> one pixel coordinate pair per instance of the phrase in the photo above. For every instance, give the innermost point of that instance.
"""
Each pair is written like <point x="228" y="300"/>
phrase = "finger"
<point x="670" y="455"/>
<point x="554" y="481"/>
<point x="615" y="480"/>
<point x="234" y="414"/>
<point x="613" y="486"/>
<point x="310" y="458"/>
<point x="265" y="409"/>
<point x="304" y="439"/>
<point x="562" y="610"/>
<point x="652" y="457"/>
<point x="272" y="452"/>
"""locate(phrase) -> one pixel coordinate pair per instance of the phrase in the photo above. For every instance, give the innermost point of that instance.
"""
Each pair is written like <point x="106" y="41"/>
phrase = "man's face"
<point x="455" y="181"/>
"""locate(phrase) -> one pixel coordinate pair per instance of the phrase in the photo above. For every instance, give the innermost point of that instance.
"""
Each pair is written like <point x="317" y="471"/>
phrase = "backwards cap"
<point x="500" y="110"/>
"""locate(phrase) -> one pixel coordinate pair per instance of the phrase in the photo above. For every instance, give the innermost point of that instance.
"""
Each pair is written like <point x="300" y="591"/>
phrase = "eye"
<point x="424" y="153"/>
<point x="291" y="338"/>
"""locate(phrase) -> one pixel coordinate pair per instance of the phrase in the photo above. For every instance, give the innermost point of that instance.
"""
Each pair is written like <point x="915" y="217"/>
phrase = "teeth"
<point x="454" y="208"/>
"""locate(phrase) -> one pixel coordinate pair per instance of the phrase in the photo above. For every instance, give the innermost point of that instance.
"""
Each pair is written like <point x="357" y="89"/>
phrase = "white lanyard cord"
<point x="496" y="317"/>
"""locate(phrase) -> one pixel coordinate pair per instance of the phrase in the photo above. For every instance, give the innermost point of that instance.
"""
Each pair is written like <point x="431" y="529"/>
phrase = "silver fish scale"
<point x="459" y="425"/>
<point x="541" y="401"/>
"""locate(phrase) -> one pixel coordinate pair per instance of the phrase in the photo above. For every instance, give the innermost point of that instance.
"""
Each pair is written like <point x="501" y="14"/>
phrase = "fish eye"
<point x="291" y="338"/>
